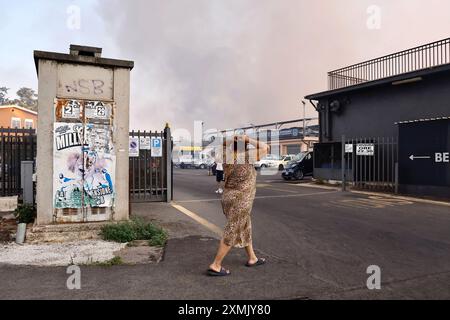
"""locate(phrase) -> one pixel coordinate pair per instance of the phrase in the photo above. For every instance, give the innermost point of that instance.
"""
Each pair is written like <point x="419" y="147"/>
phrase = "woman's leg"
<point x="252" y="258"/>
<point x="221" y="253"/>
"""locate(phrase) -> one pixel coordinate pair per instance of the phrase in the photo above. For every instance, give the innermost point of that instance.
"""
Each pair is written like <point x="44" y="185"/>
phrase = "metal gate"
<point x="151" y="166"/>
<point x="370" y="163"/>
<point x="16" y="145"/>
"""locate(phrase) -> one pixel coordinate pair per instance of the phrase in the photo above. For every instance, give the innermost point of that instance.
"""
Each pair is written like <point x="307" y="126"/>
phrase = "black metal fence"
<point x="16" y="145"/>
<point x="422" y="57"/>
<point x="151" y="175"/>
<point x="371" y="163"/>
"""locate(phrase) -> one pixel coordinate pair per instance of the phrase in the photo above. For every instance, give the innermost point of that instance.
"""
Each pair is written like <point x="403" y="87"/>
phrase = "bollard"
<point x="20" y="235"/>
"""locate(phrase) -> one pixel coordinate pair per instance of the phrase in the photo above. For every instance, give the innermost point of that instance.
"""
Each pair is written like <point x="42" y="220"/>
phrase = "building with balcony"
<point x="367" y="102"/>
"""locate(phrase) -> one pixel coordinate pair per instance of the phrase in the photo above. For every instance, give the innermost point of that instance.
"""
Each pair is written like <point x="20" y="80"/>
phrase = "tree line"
<point x="26" y="98"/>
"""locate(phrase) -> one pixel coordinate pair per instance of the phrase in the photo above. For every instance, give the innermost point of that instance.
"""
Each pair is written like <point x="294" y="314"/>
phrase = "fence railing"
<point x="422" y="57"/>
<point x="371" y="163"/>
<point x="151" y="175"/>
<point x="16" y="145"/>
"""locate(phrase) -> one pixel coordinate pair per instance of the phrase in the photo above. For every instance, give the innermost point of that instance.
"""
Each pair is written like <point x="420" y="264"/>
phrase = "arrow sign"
<point x="413" y="157"/>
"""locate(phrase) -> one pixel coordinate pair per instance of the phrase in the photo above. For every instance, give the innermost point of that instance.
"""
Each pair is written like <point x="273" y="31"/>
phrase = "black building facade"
<point x="366" y="102"/>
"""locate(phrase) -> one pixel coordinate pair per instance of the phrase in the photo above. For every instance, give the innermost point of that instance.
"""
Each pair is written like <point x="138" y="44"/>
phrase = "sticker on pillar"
<point x="68" y="166"/>
<point x="99" y="166"/>
<point x="68" y="109"/>
<point x="98" y="110"/>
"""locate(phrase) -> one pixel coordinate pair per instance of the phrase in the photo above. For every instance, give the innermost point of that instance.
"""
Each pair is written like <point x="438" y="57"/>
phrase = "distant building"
<point x="292" y="141"/>
<point x="281" y="141"/>
<point x="13" y="116"/>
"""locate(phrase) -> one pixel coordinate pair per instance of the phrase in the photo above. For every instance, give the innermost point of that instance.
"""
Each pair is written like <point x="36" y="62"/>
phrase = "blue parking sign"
<point x="156" y="143"/>
<point x="156" y="147"/>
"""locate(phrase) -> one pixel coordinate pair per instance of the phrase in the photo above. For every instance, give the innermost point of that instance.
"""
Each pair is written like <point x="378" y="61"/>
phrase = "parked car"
<point x="299" y="167"/>
<point x="204" y="163"/>
<point x="285" y="161"/>
<point x="274" y="161"/>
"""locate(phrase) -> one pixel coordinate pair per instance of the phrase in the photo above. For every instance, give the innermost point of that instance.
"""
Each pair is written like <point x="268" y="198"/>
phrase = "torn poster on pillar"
<point x="99" y="166"/>
<point x="67" y="109"/>
<point x="68" y="165"/>
<point x="84" y="166"/>
<point x="98" y="110"/>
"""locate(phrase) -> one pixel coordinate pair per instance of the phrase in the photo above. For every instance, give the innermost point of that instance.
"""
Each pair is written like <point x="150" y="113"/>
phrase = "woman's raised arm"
<point x="262" y="148"/>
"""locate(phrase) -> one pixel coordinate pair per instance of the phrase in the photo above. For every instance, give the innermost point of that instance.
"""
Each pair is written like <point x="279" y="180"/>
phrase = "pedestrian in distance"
<point x="219" y="175"/>
<point x="237" y="200"/>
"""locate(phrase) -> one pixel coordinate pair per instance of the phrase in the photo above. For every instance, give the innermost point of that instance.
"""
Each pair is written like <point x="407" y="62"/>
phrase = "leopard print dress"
<point x="237" y="203"/>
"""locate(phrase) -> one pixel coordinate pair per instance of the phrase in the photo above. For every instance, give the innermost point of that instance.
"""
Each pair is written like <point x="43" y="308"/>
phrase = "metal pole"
<point x="168" y="137"/>
<point x="304" y="119"/>
<point x="26" y="174"/>
<point x="396" y="178"/>
<point x="343" y="164"/>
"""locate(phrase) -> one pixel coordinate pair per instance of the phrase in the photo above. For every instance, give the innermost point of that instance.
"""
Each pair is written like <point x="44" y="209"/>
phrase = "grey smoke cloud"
<point x="231" y="62"/>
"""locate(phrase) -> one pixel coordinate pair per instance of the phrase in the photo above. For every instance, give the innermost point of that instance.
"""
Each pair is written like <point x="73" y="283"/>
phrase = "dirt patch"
<point x="7" y="229"/>
<point x="140" y="255"/>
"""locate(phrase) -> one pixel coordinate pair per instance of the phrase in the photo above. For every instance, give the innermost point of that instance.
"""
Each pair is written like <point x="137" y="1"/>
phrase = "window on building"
<point x="28" y="123"/>
<point x="293" y="149"/>
<point x="16" y="122"/>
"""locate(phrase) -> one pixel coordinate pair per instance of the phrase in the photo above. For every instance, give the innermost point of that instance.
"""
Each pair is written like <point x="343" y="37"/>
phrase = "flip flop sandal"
<point x="223" y="273"/>
<point x="260" y="262"/>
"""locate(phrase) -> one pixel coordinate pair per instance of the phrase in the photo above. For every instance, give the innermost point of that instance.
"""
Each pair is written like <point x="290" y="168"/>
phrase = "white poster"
<point x="349" y="148"/>
<point x="97" y="110"/>
<point x="71" y="109"/>
<point x="365" y="149"/>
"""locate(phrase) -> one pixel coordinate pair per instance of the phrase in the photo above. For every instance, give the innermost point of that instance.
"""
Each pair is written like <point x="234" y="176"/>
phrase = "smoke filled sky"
<point x="226" y="62"/>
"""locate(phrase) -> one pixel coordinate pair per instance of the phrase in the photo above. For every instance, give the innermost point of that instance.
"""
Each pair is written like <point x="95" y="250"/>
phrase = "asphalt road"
<point x="334" y="236"/>
<point x="318" y="243"/>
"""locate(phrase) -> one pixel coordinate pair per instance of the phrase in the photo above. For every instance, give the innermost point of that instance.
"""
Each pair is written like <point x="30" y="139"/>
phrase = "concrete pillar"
<point x="83" y="75"/>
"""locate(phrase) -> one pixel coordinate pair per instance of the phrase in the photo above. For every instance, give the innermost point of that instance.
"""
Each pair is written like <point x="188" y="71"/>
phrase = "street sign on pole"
<point x="144" y="143"/>
<point x="349" y="148"/>
<point x="365" y="149"/>
<point x="134" y="147"/>
<point x="157" y="147"/>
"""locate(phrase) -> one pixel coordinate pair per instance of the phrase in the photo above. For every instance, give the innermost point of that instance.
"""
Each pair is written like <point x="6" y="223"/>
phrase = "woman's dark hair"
<point x="235" y="146"/>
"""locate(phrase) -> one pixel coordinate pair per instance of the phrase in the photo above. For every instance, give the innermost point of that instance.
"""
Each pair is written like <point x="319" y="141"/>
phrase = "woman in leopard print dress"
<point x="237" y="201"/>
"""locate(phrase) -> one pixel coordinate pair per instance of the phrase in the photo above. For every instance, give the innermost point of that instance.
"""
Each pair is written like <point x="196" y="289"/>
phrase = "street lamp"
<point x="304" y="118"/>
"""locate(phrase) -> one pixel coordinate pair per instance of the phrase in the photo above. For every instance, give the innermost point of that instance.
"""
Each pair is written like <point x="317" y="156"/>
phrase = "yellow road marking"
<point x="269" y="187"/>
<point x="210" y="226"/>
<point x="262" y="185"/>
<point x="313" y="185"/>
<point x="372" y="202"/>
<point x="410" y="199"/>
<point x="391" y="196"/>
